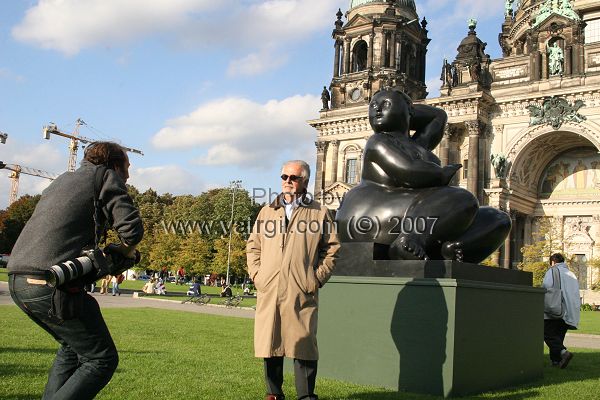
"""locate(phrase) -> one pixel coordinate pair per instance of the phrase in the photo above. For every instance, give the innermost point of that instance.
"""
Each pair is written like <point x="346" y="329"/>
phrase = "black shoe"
<point x="565" y="359"/>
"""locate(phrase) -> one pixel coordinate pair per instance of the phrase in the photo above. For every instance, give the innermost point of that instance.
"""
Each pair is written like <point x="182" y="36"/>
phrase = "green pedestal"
<point x="444" y="336"/>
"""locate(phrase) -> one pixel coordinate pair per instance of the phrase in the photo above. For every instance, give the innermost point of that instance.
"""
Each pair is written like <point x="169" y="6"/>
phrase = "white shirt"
<point x="290" y="207"/>
<point x="570" y="293"/>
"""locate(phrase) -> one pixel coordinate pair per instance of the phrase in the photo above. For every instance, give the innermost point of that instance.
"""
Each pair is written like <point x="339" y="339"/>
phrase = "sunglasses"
<point x="293" y="178"/>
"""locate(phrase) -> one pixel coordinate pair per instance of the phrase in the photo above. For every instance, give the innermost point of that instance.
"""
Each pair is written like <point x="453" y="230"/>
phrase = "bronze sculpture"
<point x="403" y="203"/>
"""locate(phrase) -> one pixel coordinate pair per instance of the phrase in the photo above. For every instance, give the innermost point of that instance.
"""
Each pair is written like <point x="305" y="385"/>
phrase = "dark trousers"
<point x="305" y="373"/>
<point x="554" y="336"/>
<point x="87" y="357"/>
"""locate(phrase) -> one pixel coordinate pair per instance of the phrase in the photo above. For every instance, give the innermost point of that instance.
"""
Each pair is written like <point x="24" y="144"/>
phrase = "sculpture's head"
<point x="390" y="110"/>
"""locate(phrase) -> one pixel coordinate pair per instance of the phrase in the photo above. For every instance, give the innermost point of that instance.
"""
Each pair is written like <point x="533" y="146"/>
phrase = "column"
<point x="545" y="73"/>
<point x="568" y="67"/>
<point x="336" y="59"/>
<point x="384" y="43"/>
<point x="445" y="145"/>
<point x="507" y="242"/>
<point x="392" y="50"/>
<point x="320" y="173"/>
<point x="370" y="52"/>
<point x="473" y="173"/>
<point x="347" y="56"/>
<point x="335" y="144"/>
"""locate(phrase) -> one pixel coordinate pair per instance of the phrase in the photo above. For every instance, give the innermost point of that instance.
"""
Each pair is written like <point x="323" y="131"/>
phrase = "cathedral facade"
<point x="525" y="127"/>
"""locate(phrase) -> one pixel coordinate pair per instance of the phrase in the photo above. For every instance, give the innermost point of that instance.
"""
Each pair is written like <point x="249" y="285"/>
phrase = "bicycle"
<point x="199" y="300"/>
<point x="232" y="301"/>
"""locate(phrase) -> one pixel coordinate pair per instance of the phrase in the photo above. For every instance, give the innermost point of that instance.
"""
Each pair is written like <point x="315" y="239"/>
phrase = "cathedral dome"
<point x="399" y="3"/>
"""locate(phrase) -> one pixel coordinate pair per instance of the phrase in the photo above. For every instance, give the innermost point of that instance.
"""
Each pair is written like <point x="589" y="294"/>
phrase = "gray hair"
<point x="305" y="167"/>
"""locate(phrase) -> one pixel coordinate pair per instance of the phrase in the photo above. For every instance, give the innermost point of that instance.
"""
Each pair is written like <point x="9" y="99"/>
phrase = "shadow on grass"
<point x="412" y="396"/>
<point x="41" y="350"/>
<point x="582" y="367"/>
<point x="7" y="370"/>
<point x="19" y="396"/>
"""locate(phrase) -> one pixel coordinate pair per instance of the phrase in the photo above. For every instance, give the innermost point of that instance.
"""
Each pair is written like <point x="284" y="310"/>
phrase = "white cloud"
<point x="72" y="25"/>
<point x="256" y="64"/>
<point x="168" y="178"/>
<point x="238" y="131"/>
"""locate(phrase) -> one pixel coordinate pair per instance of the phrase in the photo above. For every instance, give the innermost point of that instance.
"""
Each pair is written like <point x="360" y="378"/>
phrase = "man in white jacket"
<point x="556" y="329"/>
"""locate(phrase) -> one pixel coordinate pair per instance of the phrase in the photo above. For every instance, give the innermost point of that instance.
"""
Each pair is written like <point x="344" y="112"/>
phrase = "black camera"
<point x="103" y="262"/>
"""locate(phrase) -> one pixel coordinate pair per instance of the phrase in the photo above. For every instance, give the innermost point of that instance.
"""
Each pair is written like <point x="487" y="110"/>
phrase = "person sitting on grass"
<point x="160" y="288"/>
<point x="226" y="291"/>
<point x="194" y="290"/>
<point x="149" y="286"/>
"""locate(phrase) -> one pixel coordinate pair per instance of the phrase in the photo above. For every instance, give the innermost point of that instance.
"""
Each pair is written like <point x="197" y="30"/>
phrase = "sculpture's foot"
<point x="405" y="248"/>
<point x="452" y="251"/>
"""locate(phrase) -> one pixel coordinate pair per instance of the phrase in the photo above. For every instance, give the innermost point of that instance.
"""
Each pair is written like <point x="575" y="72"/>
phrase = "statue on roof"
<point x="508" y="7"/>
<point x="555" y="59"/>
<point x="559" y="7"/>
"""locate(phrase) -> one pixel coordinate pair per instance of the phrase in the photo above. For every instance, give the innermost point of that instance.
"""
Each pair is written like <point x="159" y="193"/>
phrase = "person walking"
<point x="71" y="216"/>
<point x="291" y="254"/>
<point x="555" y="329"/>
<point x="116" y="281"/>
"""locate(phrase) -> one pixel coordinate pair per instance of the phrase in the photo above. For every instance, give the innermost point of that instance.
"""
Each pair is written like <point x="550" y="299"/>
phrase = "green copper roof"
<point x="401" y="3"/>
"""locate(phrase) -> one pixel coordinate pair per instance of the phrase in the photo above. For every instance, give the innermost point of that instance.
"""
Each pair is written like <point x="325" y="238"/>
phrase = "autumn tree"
<point x="195" y="254"/>
<point x="13" y="220"/>
<point x="546" y="241"/>
<point x="237" y="261"/>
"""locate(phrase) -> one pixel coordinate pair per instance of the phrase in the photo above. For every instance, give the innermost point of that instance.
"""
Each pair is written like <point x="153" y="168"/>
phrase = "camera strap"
<point x="99" y="228"/>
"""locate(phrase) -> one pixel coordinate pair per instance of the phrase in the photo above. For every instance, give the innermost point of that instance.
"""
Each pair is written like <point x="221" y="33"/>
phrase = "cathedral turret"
<point x="381" y="44"/>
<point x="471" y="65"/>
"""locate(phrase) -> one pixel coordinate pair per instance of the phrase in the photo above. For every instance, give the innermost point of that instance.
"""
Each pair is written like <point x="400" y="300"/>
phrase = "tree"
<point x="237" y="262"/>
<point x="195" y="254"/>
<point x="13" y="220"/>
<point x="547" y="240"/>
<point x="164" y="251"/>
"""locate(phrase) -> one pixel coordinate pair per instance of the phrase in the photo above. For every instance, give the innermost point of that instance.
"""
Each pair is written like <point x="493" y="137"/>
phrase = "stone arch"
<point x="531" y="151"/>
<point x="359" y="56"/>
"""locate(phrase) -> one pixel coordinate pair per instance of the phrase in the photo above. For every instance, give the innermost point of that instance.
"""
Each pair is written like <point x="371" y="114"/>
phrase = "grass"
<point x="177" y="355"/>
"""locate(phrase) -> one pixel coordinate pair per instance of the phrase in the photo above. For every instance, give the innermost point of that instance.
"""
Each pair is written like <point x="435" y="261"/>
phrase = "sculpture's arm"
<point x="428" y="123"/>
<point x="407" y="170"/>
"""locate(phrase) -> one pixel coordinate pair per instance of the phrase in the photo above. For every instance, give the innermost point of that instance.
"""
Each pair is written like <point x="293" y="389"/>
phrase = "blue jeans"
<point x="115" y="289"/>
<point x="87" y="357"/>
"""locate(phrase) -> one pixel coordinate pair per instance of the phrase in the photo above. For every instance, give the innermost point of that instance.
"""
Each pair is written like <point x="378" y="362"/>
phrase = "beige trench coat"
<point x="288" y="264"/>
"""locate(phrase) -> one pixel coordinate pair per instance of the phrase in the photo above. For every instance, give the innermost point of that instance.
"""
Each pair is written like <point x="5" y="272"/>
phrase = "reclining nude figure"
<point x="403" y="203"/>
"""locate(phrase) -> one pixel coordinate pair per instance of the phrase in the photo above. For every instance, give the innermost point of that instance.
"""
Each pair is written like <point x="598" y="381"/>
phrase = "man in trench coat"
<point x="291" y="254"/>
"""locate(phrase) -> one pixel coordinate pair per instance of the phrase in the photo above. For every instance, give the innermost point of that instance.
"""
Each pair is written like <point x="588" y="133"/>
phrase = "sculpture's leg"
<point x="435" y="215"/>
<point x="484" y="236"/>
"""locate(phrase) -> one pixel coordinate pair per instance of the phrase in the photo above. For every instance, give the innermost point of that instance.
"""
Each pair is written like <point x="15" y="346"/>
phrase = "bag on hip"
<point x="553" y="301"/>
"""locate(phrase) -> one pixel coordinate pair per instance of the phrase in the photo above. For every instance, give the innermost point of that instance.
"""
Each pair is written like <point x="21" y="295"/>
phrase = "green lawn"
<point x="178" y="355"/>
<point x="589" y="323"/>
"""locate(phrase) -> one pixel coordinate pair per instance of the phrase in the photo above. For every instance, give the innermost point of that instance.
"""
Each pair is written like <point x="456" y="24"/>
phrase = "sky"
<point x="210" y="91"/>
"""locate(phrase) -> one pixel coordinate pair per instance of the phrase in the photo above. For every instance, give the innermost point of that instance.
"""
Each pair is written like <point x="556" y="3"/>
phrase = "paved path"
<point x="128" y="301"/>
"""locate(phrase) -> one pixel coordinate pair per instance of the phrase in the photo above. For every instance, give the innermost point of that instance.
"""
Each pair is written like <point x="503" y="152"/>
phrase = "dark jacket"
<point x="62" y="223"/>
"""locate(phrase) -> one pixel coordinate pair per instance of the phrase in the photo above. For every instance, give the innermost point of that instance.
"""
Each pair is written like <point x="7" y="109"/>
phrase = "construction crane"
<point x="3" y="137"/>
<point x="75" y="138"/>
<point x="17" y="170"/>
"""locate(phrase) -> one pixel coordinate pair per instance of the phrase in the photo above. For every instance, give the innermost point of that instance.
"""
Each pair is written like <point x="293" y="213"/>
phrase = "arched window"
<point x="351" y="171"/>
<point x="352" y="158"/>
<point x="359" y="56"/>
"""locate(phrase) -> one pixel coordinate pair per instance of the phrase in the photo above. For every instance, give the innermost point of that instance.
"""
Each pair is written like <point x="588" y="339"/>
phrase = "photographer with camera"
<point x="57" y="253"/>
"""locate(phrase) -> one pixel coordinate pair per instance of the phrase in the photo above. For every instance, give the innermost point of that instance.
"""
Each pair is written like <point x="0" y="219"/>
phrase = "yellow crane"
<point x="75" y="138"/>
<point x="17" y="170"/>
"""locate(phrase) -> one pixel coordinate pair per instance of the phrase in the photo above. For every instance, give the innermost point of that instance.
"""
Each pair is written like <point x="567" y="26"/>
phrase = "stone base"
<point x="446" y="336"/>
